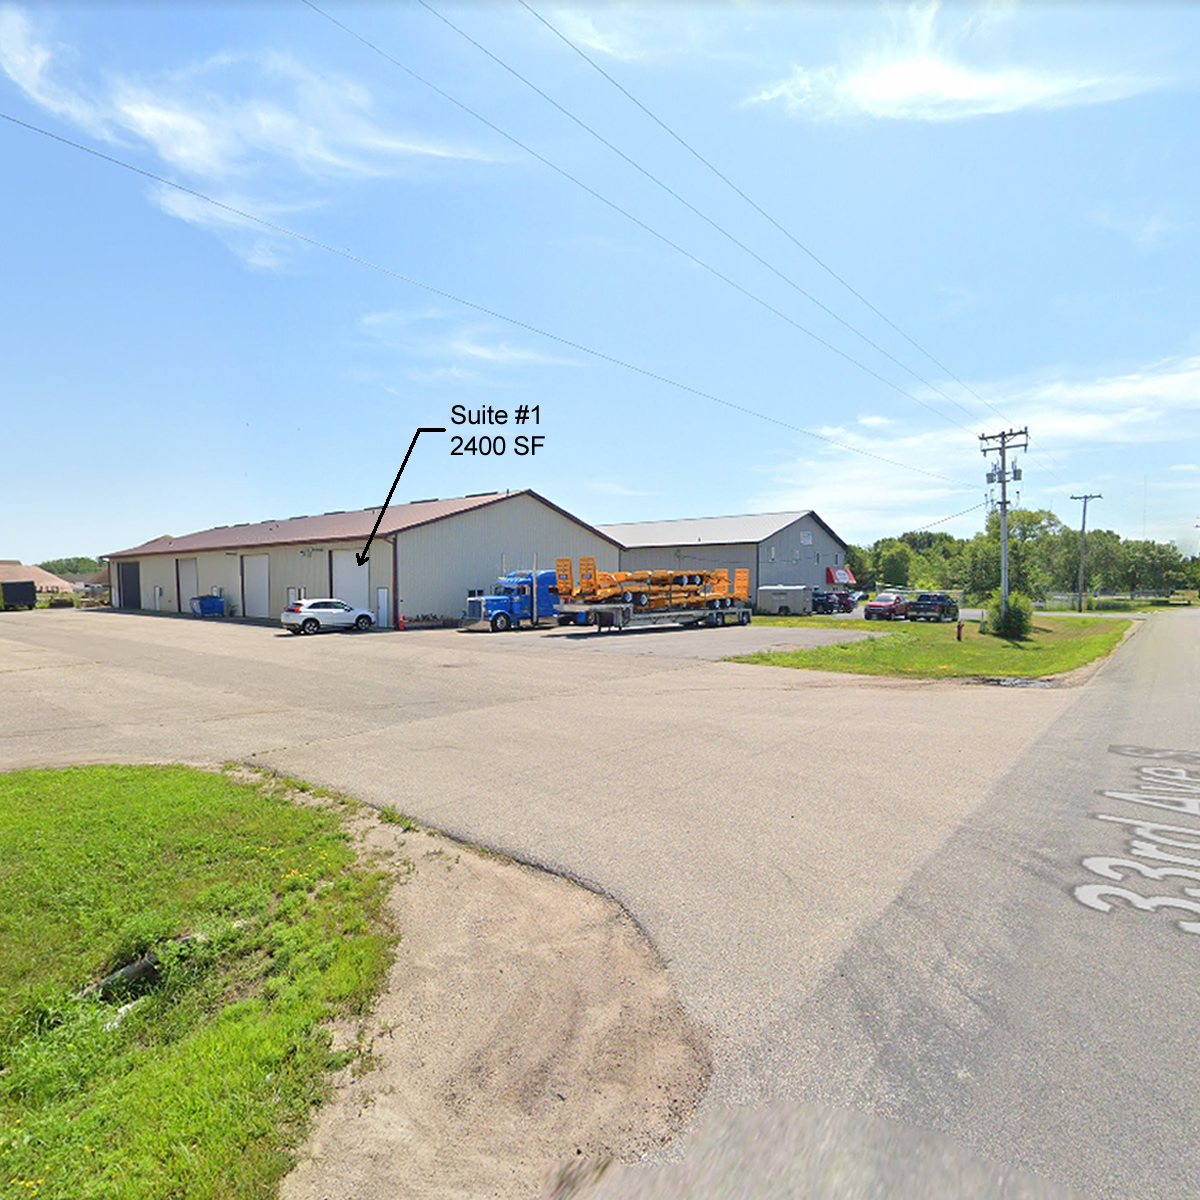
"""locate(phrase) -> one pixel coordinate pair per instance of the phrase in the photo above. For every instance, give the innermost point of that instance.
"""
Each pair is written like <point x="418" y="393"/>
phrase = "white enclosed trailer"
<point x="785" y="601"/>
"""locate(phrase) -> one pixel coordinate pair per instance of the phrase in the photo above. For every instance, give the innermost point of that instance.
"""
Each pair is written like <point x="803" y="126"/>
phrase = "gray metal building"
<point x="424" y="560"/>
<point x="787" y="548"/>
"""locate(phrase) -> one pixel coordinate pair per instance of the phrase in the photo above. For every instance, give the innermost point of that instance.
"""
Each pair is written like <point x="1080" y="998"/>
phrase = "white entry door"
<point x="350" y="581"/>
<point x="256" y="585"/>
<point x="382" y="616"/>
<point x="189" y="583"/>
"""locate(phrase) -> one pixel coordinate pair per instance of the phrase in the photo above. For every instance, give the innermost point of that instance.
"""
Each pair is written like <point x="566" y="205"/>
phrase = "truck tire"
<point x="501" y="622"/>
<point x="719" y="618"/>
<point x="744" y="617"/>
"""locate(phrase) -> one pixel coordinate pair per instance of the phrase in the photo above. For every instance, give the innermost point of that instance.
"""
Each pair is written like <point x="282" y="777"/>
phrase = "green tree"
<point x="858" y="559"/>
<point x="895" y="561"/>
<point x="70" y="566"/>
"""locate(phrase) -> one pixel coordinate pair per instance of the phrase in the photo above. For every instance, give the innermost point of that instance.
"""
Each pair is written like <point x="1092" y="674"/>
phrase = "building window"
<point x="772" y="553"/>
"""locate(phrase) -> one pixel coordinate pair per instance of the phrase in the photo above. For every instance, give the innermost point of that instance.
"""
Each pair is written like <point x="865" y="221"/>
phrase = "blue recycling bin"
<point x="208" y="606"/>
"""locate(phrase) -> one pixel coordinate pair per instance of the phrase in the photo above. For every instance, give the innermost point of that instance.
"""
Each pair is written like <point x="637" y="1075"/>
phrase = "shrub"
<point x="1016" y="622"/>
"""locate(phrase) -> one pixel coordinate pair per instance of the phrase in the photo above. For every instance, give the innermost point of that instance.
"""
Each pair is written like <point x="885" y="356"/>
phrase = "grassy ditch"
<point x="930" y="651"/>
<point x="197" y="1079"/>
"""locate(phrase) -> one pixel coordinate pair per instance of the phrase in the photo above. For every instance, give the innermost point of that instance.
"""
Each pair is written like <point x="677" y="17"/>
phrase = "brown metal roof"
<point x="329" y="527"/>
<point x="13" y="571"/>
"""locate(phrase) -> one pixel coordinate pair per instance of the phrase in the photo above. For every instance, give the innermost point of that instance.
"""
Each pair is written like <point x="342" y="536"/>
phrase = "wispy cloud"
<point x="607" y="488"/>
<point x="443" y="375"/>
<point x="501" y="353"/>
<point x="460" y="354"/>
<point x="918" y="73"/>
<point x="262" y="122"/>
<point x="1147" y="230"/>
<point x="1069" y="416"/>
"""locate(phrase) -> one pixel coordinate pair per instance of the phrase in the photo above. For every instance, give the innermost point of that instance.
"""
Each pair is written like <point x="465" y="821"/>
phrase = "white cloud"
<point x="381" y="322"/>
<point x="1070" y="418"/>
<point x="916" y="75"/>
<point x="607" y="488"/>
<point x="875" y="422"/>
<point x="1148" y="230"/>
<point x="264" y="122"/>
<point x="437" y="375"/>
<point x="500" y="353"/>
<point x="580" y="28"/>
<point x="25" y="61"/>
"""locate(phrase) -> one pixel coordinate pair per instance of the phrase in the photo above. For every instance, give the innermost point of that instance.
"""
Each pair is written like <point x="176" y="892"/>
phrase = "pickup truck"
<point x="933" y="606"/>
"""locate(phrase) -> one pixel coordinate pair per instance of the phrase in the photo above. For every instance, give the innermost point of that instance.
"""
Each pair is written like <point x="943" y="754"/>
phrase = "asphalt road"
<point x="863" y="888"/>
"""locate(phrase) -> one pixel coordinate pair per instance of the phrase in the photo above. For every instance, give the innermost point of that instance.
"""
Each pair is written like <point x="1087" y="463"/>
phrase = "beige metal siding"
<point x="441" y="562"/>
<point x="289" y="566"/>
<point x="696" y="558"/>
<point x="158" y="572"/>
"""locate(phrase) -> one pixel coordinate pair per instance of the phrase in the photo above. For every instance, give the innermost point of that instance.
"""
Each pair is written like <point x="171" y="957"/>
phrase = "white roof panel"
<point x="704" y="531"/>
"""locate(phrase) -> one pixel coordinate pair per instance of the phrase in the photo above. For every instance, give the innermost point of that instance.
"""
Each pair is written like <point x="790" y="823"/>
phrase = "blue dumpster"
<point x="208" y="606"/>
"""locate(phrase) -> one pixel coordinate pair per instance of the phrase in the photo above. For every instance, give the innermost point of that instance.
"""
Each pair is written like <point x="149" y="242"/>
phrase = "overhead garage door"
<point x="256" y="588"/>
<point x="129" y="584"/>
<point x="350" y="581"/>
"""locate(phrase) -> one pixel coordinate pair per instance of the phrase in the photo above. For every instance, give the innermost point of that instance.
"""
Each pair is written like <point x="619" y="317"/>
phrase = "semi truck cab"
<point x="513" y="600"/>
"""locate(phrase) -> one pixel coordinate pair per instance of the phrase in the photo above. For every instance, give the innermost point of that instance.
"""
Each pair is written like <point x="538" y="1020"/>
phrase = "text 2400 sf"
<point x="522" y="445"/>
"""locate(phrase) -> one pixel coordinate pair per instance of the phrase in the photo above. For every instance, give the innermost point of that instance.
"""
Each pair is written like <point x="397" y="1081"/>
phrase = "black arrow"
<point x="364" y="557"/>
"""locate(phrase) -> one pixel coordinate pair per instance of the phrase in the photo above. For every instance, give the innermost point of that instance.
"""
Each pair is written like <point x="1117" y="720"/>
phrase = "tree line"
<point x="1043" y="559"/>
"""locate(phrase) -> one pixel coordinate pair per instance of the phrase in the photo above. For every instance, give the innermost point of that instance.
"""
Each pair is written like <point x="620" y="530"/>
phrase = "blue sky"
<point x="1014" y="187"/>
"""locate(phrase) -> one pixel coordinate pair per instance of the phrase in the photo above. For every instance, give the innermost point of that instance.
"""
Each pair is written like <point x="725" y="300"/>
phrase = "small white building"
<point x="424" y="560"/>
<point x="783" y="549"/>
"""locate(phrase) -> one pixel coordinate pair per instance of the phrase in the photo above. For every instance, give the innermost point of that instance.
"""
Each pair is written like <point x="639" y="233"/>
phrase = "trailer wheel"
<point x="501" y="622"/>
<point x="744" y="617"/>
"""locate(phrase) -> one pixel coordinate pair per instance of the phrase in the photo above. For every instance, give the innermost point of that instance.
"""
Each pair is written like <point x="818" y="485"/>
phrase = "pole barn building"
<point x="425" y="558"/>
<point x="779" y="549"/>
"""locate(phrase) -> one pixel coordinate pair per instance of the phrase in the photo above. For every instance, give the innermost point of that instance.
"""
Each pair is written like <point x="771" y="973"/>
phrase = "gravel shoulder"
<point x="527" y="1026"/>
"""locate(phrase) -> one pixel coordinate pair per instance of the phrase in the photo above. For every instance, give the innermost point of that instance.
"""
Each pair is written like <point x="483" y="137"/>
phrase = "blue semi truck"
<point x="514" y="599"/>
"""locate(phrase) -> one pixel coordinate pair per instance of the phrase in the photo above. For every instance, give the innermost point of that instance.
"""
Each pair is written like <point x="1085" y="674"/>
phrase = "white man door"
<point x="350" y="581"/>
<point x="189" y="582"/>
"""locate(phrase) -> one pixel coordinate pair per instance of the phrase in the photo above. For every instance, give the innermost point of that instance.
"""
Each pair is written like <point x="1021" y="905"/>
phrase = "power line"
<point x="943" y="520"/>
<point x="554" y="337"/>
<point x="753" y="204"/>
<point x="630" y="217"/>
<point x="693" y="209"/>
<point x="781" y="228"/>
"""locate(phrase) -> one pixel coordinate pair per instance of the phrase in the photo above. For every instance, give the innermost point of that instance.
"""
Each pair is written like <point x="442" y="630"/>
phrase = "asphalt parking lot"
<point x="752" y="820"/>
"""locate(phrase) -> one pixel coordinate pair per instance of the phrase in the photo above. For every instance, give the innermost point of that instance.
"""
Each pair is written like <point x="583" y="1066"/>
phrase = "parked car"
<point x="887" y="606"/>
<point x="311" y="616"/>
<point x="846" y="601"/>
<point x="933" y="606"/>
<point x="824" y="602"/>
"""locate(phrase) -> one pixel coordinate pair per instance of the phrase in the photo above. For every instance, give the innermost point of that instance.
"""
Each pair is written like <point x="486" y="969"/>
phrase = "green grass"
<point x="392" y="816"/>
<point x="930" y="651"/>
<point x="203" y="1087"/>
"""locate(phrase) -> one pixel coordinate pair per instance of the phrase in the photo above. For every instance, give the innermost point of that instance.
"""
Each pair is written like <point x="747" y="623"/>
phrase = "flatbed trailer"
<point x="624" y="616"/>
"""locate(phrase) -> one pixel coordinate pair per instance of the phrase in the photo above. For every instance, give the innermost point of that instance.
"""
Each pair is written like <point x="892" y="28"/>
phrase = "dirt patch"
<point x="527" y="1023"/>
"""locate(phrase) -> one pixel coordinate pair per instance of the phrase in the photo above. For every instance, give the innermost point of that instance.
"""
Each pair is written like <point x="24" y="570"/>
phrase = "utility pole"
<point x="1083" y="539"/>
<point x="1004" y="442"/>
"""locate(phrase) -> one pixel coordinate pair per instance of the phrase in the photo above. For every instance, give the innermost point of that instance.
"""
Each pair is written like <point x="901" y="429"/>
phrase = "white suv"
<point x="311" y="616"/>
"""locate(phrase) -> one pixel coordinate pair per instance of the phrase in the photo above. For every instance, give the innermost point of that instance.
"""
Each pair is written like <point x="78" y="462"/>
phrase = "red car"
<point x="887" y="606"/>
